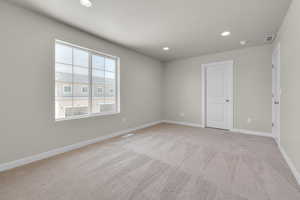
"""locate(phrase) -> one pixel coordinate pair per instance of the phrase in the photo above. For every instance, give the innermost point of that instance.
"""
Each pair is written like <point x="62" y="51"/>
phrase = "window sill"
<point x="87" y="116"/>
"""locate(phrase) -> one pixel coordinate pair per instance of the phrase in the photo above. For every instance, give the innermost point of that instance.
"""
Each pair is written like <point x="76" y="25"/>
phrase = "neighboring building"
<point x="72" y="92"/>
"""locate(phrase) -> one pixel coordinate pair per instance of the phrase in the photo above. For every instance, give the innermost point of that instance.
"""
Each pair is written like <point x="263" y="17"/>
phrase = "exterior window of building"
<point x="100" y="91"/>
<point x="86" y="82"/>
<point x="67" y="89"/>
<point x="84" y="90"/>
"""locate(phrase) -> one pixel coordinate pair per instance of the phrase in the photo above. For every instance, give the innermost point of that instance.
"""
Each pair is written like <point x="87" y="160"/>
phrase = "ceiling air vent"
<point x="269" y="38"/>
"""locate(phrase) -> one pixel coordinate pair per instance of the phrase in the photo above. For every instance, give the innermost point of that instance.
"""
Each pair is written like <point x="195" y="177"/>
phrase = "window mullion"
<point x="117" y="85"/>
<point x="90" y="84"/>
<point x="72" y="88"/>
<point x="104" y="95"/>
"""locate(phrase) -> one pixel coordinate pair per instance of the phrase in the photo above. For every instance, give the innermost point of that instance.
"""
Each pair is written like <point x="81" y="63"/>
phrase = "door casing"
<point x="276" y="92"/>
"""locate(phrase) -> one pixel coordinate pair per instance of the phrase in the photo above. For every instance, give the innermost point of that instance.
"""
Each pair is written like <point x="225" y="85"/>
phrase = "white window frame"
<point x="117" y="85"/>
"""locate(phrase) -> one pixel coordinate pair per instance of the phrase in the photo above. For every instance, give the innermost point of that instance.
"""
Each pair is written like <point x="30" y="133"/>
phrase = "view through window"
<point x="85" y="82"/>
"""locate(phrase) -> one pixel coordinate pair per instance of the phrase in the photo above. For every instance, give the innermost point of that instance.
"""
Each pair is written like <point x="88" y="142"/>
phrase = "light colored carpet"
<point x="165" y="162"/>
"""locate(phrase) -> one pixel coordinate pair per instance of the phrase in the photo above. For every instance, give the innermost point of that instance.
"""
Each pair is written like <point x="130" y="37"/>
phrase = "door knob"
<point x="276" y="102"/>
<point x="227" y="100"/>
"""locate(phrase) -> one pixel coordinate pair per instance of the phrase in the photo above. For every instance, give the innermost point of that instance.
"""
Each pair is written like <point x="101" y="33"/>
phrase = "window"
<point x="67" y="89"/>
<point x="86" y="82"/>
<point x="100" y="91"/>
<point x="84" y="90"/>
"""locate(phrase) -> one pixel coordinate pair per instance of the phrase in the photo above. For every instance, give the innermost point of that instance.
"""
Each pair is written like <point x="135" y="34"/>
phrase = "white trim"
<point x="41" y="156"/>
<point x="249" y="132"/>
<point x="242" y="131"/>
<point x="54" y="152"/>
<point x="203" y="93"/>
<point x="91" y="52"/>
<point x="277" y="88"/>
<point x="290" y="164"/>
<point x="203" y="88"/>
<point x="86" y="116"/>
<point x="282" y="151"/>
<point x="183" y="123"/>
<point x="231" y="77"/>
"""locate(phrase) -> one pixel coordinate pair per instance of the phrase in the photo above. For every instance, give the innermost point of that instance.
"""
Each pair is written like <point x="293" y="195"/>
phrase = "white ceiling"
<point x="188" y="27"/>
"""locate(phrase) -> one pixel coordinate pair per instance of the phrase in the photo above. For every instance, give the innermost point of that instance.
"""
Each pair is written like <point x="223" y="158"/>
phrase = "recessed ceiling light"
<point x="243" y="42"/>
<point x="225" y="33"/>
<point x="86" y="3"/>
<point x="166" y="48"/>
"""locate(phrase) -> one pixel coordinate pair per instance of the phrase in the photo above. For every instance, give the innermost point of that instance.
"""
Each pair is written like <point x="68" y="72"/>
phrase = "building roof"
<point x="67" y="77"/>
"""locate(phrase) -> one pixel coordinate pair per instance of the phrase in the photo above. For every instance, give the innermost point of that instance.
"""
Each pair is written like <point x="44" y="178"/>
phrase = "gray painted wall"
<point x="26" y="46"/>
<point x="290" y="83"/>
<point x="147" y="88"/>
<point x="252" y="88"/>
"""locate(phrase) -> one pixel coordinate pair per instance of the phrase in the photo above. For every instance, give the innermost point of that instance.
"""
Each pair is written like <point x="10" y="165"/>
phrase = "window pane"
<point x="80" y="107"/>
<point x="63" y="54"/>
<point x="81" y="75"/>
<point x="61" y="106"/>
<point x="110" y="65"/>
<point x="98" y="75"/>
<point x="98" y="62"/>
<point x="110" y="76"/>
<point x="110" y="94"/>
<point x="81" y="58"/>
<point x="62" y="68"/>
<point x="63" y="96"/>
<point x="98" y="90"/>
<point x="74" y="91"/>
<point x="80" y="99"/>
<point x="63" y="73"/>
<point x="109" y="84"/>
<point x="97" y="98"/>
<point x="107" y="107"/>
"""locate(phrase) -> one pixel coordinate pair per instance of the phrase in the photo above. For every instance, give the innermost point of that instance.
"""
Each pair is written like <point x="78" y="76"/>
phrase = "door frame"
<point x="277" y="87"/>
<point x="204" y="88"/>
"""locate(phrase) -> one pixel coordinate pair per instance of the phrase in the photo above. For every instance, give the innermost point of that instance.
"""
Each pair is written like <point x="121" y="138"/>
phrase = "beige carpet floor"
<point x="165" y="162"/>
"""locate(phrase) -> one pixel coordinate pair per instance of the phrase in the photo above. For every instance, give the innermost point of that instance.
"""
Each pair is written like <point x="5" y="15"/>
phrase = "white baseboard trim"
<point x="183" y="123"/>
<point x="249" y="132"/>
<point x="243" y="131"/>
<point x="41" y="156"/>
<point x="51" y="153"/>
<point x="290" y="164"/>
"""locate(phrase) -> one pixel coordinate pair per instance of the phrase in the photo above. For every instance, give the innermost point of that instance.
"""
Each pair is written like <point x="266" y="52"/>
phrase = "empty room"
<point x="150" y="100"/>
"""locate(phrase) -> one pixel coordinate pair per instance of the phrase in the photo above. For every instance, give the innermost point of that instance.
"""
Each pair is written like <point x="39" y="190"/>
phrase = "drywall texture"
<point x="252" y="88"/>
<point x="290" y="83"/>
<point x="27" y="127"/>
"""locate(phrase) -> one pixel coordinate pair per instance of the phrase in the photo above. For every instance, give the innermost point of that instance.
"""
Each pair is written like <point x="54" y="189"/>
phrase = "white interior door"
<point x="276" y="91"/>
<point x="219" y="97"/>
